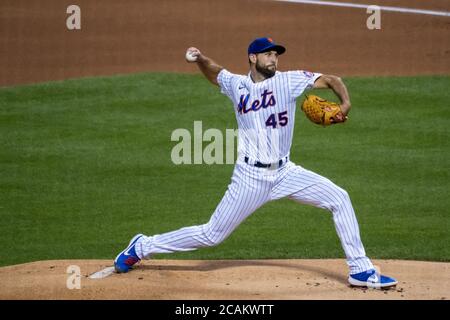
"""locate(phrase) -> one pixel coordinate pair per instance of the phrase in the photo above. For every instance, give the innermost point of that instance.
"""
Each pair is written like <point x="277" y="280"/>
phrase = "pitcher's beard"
<point x="267" y="73"/>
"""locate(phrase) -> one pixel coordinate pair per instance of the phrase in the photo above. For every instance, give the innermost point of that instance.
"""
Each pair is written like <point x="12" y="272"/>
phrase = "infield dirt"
<point x="222" y="280"/>
<point x="117" y="37"/>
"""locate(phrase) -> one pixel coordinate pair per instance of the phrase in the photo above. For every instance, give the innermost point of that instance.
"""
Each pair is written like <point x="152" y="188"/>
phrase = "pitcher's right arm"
<point x="207" y="66"/>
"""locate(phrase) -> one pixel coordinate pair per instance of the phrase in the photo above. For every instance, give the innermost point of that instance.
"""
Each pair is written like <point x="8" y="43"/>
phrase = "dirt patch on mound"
<point x="222" y="280"/>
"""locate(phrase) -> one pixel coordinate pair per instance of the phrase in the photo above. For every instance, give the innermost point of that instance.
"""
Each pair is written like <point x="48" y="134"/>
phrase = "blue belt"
<point x="266" y="165"/>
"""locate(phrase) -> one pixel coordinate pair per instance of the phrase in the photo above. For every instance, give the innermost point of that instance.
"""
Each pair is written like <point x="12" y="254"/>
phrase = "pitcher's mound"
<point x="219" y="280"/>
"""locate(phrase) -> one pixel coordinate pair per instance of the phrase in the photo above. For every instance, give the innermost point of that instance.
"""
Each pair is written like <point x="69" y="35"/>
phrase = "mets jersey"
<point x="265" y="111"/>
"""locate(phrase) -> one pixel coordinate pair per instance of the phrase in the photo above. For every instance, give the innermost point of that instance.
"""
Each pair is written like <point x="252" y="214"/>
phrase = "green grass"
<point x="85" y="164"/>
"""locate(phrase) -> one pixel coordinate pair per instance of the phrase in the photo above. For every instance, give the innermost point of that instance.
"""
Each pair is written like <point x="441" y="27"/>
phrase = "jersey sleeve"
<point x="225" y="80"/>
<point x="301" y="80"/>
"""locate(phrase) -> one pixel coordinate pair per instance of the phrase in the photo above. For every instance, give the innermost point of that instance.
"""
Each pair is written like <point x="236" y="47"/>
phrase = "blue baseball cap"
<point x="265" y="44"/>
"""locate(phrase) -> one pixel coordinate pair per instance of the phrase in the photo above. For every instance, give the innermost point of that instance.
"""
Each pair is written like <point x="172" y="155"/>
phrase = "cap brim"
<point x="279" y="49"/>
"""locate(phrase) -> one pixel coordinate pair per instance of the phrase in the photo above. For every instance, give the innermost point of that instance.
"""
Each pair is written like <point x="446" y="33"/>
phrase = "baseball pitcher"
<point x="264" y="102"/>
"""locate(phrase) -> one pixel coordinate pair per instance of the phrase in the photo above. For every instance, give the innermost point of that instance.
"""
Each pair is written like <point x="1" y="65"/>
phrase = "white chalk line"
<point x="365" y="6"/>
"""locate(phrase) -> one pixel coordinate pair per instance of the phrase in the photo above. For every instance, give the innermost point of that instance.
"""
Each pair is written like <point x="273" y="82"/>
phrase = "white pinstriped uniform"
<point x="251" y="187"/>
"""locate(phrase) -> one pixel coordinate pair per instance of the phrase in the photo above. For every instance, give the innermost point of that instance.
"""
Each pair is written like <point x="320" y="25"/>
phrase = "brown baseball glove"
<point x="321" y="111"/>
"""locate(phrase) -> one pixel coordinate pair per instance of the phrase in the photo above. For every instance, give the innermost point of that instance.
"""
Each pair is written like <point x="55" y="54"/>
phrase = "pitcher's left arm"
<point x="336" y="84"/>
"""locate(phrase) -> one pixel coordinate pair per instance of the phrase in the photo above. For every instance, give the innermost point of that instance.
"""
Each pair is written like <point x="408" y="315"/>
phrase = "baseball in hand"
<point x="191" y="54"/>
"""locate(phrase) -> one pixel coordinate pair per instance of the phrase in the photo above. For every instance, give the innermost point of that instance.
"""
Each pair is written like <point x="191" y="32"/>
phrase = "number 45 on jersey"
<point x="280" y="119"/>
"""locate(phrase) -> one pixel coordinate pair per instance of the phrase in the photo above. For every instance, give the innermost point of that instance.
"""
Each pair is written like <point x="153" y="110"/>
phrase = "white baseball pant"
<point x="252" y="187"/>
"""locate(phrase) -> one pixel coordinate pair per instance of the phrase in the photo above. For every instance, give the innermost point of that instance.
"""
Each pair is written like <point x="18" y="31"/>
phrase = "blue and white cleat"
<point x="371" y="279"/>
<point x="128" y="257"/>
